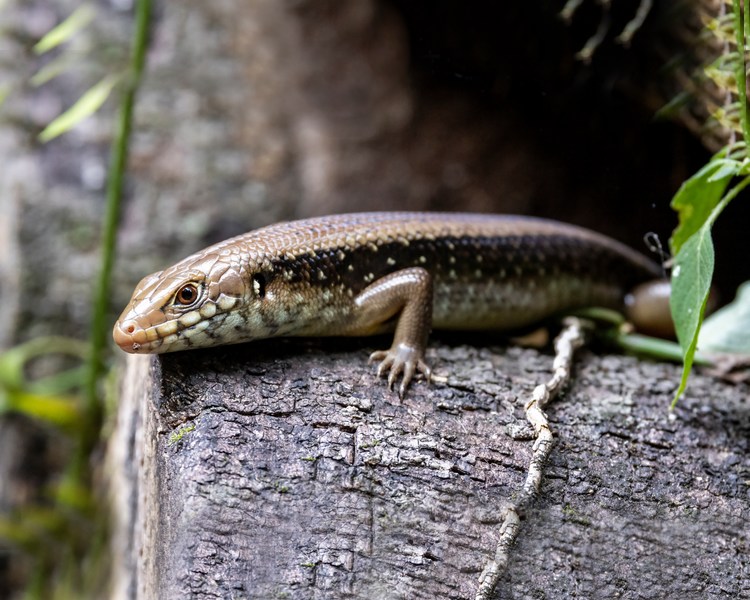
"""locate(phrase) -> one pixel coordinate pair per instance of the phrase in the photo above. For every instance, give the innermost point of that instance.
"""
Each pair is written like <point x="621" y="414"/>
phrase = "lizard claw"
<point x="401" y="361"/>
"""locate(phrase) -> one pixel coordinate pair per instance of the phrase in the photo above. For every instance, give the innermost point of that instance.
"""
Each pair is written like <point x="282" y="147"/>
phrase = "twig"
<point x="635" y="23"/>
<point x="587" y="52"/>
<point x="571" y="6"/>
<point x="570" y="339"/>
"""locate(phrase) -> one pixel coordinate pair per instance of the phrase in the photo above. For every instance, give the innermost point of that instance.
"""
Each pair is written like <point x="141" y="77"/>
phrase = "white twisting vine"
<point x="570" y="339"/>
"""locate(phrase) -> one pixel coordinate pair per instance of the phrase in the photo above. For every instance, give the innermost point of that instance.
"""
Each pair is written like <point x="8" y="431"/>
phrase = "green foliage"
<point x="115" y="183"/>
<point x="704" y="196"/>
<point x="93" y="98"/>
<point x="63" y="32"/>
<point x="691" y="283"/>
<point x="728" y="329"/>
<point x="63" y="533"/>
<point x="62" y="521"/>
<point x="699" y="195"/>
<point x="699" y="203"/>
<point x="46" y="399"/>
<point x="90" y="102"/>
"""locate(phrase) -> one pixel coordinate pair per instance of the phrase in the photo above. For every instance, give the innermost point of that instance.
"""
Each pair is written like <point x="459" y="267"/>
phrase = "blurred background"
<point x="250" y="112"/>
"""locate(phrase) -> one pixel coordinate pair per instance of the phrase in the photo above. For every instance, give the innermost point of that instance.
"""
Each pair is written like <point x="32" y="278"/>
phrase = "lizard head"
<point x="191" y="304"/>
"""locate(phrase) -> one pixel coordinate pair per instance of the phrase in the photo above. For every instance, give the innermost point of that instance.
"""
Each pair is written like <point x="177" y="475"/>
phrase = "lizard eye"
<point x="187" y="294"/>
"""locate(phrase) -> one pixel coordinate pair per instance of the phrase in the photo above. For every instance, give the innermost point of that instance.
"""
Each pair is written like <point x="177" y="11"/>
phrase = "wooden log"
<point x="285" y="469"/>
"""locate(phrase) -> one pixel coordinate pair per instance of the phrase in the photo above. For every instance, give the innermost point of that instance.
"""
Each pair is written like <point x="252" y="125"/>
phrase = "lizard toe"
<point x="402" y="361"/>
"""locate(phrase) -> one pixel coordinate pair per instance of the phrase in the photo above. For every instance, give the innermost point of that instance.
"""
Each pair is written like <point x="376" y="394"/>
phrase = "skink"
<point x="368" y="273"/>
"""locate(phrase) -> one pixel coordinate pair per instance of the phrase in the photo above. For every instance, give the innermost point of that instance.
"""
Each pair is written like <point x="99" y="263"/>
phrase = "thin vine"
<point x="118" y="160"/>
<point x="64" y="537"/>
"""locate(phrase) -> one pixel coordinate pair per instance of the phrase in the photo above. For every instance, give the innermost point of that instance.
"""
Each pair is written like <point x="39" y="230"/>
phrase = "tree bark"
<point x="297" y="474"/>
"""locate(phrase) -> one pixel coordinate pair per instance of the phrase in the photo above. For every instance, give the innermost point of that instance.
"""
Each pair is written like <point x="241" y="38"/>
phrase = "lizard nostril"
<point x="127" y="333"/>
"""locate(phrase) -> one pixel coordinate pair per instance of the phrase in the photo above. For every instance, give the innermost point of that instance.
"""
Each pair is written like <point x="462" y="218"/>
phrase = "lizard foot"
<point x="401" y="360"/>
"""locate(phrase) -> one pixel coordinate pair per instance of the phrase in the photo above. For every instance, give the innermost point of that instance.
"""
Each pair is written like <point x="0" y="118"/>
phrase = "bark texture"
<point x="298" y="475"/>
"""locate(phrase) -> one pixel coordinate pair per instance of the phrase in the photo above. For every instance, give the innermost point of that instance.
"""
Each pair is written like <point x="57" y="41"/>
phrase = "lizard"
<point x="363" y="274"/>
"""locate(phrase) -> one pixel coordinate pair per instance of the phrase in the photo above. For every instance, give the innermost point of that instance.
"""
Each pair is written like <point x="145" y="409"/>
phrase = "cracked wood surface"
<point x="305" y="478"/>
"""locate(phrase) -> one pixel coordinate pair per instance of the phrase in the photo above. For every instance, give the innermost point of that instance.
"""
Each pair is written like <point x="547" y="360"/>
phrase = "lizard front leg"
<point x="406" y="295"/>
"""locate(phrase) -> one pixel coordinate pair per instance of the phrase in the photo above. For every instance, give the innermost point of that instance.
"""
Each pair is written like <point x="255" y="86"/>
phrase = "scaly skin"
<point x="366" y="273"/>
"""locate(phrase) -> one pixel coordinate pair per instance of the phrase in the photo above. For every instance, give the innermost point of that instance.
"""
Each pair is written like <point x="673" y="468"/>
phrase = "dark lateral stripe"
<point x="464" y="259"/>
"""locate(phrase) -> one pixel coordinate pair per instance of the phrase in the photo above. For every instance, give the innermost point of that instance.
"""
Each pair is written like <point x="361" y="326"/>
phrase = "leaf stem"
<point x="740" y="26"/>
<point x="118" y="159"/>
<point x="728" y="197"/>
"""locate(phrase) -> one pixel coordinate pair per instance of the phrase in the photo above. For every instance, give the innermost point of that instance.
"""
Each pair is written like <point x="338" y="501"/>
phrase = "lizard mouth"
<point x="133" y="338"/>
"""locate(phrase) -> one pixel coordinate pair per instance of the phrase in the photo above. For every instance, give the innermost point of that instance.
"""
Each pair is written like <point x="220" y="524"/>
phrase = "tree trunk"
<point x="285" y="469"/>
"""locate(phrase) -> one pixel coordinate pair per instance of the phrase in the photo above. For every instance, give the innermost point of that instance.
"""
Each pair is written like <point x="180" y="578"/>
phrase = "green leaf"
<point x="54" y="68"/>
<point x="81" y="17"/>
<point x="727" y="168"/>
<point x="59" y="383"/>
<point x="12" y="361"/>
<point x="691" y="282"/>
<point x="86" y="106"/>
<point x="62" y="411"/>
<point x="728" y="329"/>
<point x="698" y="196"/>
